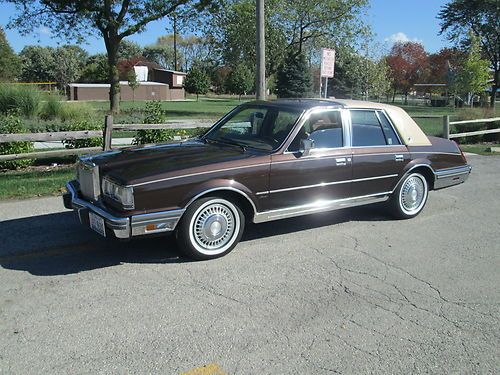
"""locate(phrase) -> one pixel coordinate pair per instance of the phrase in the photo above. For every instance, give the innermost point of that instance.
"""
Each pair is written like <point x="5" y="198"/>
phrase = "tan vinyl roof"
<point x="408" y="129"/>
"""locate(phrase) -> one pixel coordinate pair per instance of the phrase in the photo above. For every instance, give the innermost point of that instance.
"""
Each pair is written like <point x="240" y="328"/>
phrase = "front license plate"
<point x="97" y="223"/>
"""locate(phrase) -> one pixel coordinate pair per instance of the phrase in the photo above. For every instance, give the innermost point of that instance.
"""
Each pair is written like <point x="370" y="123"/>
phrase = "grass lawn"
<point x="478" y="149"/>
<point x="34" y="182"/>
<point x="205" y="108"/>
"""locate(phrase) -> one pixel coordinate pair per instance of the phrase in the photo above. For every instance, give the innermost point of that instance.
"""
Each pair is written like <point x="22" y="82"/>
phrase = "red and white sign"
<point x="327" y="62"/>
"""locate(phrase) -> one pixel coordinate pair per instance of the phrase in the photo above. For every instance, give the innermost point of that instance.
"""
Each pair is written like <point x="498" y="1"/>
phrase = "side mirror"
<point x="305" y="146"/>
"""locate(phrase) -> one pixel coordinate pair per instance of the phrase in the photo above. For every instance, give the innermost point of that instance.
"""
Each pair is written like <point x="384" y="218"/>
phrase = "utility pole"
<point x="175" y="40"/>
<point x="260" y="83"/>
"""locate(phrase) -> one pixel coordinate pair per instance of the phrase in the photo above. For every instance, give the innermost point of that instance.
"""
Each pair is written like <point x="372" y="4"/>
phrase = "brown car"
<point x="264" y="161"/>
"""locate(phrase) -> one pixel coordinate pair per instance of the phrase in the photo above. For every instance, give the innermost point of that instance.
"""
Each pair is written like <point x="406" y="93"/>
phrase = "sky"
<point x="391" y="20"/>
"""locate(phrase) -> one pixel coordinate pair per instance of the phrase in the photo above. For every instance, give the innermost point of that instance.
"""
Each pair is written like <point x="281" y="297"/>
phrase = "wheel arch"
<point x="424" y="169"/>
<point x="235" y="194"/>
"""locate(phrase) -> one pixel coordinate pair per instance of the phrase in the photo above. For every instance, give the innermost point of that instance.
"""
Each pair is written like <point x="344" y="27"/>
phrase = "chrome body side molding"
<point x="319" y="206"/>
<point x="451" y="176"/>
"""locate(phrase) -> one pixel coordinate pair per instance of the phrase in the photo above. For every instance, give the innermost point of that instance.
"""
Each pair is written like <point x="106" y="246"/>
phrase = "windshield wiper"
<point x="226" y="141"/>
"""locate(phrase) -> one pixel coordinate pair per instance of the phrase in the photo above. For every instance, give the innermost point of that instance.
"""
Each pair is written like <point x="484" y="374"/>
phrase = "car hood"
<point x="136" y="165"/>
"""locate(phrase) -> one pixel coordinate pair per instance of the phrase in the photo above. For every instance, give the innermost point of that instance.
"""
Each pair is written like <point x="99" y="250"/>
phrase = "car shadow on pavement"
<point x="57" y="244"/>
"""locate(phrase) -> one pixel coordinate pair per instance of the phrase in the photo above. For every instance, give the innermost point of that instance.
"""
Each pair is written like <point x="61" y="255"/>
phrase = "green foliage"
<point x="197" y="81"/>
<point x="161" y="54"/>
<point x="240" y="80"/>
<point x="70" y="62"/>
<point x="12" y="124"/>
<point x="473" y="74"/>
<point x="9" y="61"/>
<point x="154" y="115"/>
<point x="52" y="108"/>
<point x="77" y="112"/>
<point x="460" y="17"/>
<point x="86" y="124"/>
<point x="21" y="99"/>
<point x="37" y="64"/>
<point x="95" y="69"/>
<point x="128" y="50"/>
<point x="133" y="83"/>
<point x="294" y="77"/>
<point x="472" y="114"/>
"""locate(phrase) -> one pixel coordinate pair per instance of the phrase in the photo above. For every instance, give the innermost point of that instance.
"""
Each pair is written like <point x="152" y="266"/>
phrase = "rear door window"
<point x="368" y="130"/>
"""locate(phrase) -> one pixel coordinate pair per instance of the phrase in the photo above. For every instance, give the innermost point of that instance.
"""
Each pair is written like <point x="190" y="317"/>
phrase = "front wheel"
<point x="210" y="228"/>
<point x="410" y="196"/>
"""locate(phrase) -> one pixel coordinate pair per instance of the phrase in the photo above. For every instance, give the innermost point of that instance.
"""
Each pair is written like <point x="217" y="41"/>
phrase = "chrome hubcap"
<point x="214" y="226"/>
<point x="412" y="194"/>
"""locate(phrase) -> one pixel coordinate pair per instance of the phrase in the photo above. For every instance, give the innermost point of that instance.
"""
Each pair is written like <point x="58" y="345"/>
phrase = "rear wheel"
<point x="410" y="196"/>
<point x="210" y="228"/>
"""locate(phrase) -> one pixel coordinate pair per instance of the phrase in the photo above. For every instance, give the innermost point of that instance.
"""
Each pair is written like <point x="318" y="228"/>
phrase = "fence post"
<point x="446" y="126"/>
<point x="108" y="132"/>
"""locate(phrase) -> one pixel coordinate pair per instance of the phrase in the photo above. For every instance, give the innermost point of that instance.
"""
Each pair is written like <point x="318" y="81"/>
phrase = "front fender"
<point x="219" y="185"/>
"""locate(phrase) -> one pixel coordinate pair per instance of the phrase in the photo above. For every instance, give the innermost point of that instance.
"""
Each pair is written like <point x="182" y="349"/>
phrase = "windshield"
<point x="259" y="127"/>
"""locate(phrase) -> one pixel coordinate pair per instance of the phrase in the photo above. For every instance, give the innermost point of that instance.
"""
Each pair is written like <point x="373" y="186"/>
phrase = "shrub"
<point x="12" y="124"/>
<point x="154" y="115"/>
<point x="472" y="114"/>
<point x="24" y="100"/>
<point x="76" y="112"/>
<point x="87" y="124"/>
<point x="52" y="108"/>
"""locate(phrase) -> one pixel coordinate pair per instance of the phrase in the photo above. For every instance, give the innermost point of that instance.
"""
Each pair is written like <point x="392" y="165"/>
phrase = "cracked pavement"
<point x="348" y="292"/>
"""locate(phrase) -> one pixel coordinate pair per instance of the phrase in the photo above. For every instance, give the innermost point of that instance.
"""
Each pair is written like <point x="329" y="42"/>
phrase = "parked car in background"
<point x="264" y="161"/>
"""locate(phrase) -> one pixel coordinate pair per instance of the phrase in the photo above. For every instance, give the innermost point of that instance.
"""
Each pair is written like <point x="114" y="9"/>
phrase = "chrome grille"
<point x="88" y="177"/>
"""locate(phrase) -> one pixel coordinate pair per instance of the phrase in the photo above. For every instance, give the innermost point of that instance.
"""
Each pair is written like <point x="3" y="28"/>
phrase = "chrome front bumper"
<point x="121" y="227"/>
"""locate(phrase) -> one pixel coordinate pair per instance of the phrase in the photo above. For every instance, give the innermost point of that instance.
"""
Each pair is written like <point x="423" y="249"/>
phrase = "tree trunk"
<point x="113" y="75"/>
<point x="406" y="98"/>
<point x="393" y="95"/>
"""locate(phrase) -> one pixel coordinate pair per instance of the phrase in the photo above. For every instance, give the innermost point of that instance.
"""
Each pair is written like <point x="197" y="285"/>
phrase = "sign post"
<point x="327" y="67"/>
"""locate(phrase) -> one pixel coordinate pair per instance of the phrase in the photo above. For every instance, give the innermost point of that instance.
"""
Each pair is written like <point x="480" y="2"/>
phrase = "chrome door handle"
<point x="341" y="161"/>
<point x="399" y="157"/>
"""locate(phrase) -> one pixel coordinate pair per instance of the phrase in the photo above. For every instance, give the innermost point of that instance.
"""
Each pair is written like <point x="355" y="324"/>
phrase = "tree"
<point x="9" y="62"/>
<point x="240" y="80"/>
<point x="114" y="20"/>
<point x="37" y="64"/>
<point x="231" y="33"/>
<point x="133" y="82"/>
<point x="294" y="77"/>
<point x="95" y="69"/>
<point x="305" y="21"/>
<point x="482" y="17"/>
<point x="129" y="50"/>
<point x="472" y="76"/>
<point x="161" y="54"/>
<point x="70" y="62"/>
<point x="197" y="81"/>
<point x="408" y="63"/>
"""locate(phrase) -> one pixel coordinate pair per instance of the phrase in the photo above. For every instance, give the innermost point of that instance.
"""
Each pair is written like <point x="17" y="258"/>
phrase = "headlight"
<point x="120" y="194"/>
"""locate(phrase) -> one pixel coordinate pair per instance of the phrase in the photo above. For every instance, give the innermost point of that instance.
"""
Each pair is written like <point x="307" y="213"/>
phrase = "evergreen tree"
<point x="294" y="77"/>
<point x="240" y="80"/>
<point x="9" y="62"/>
<point x="197" y="81"/>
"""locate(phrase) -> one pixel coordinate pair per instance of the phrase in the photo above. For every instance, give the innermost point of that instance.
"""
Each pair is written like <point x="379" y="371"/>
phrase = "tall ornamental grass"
<point x="19" y="99"/>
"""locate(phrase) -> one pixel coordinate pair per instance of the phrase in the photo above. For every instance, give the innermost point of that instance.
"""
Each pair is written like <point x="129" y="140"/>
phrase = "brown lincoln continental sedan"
<point x="265" y="161"/>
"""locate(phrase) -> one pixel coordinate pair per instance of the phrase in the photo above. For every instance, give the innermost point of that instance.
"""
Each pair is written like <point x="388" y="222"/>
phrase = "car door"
<point x="323" y="175"/>
<point x="378" y="155"/>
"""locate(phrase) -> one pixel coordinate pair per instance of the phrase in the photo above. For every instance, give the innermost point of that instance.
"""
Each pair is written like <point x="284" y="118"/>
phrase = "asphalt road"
<point x="349" y="292"/>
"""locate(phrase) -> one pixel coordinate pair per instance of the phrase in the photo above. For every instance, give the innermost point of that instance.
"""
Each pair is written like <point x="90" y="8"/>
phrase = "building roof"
<point x="95" y="85"/>
<point x="171" y="71"/>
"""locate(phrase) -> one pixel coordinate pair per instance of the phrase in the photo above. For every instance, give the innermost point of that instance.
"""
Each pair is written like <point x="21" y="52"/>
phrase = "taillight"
<point x="463" y="156"/>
